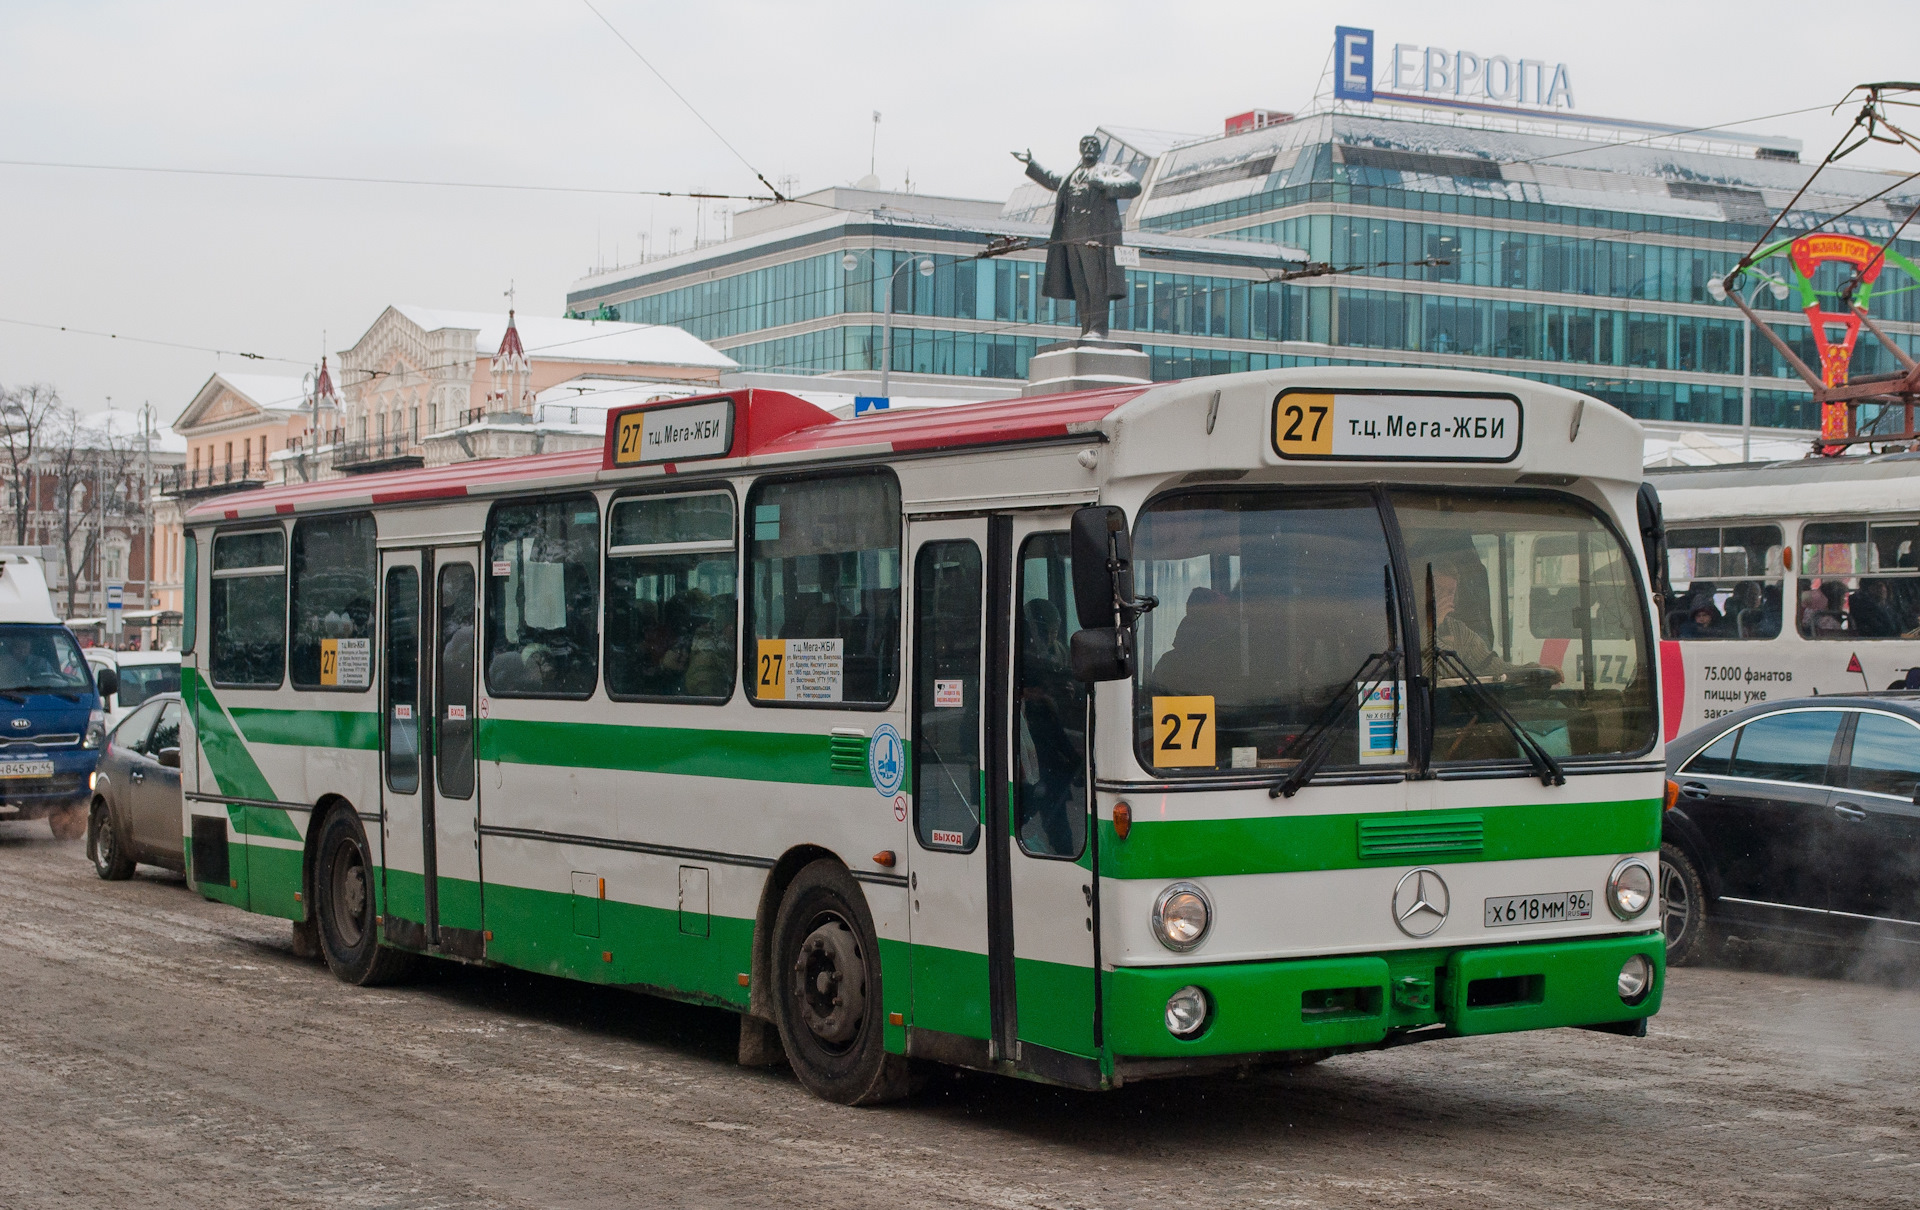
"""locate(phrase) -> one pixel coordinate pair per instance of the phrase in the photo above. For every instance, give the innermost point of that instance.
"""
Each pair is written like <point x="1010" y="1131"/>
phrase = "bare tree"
<point x="85" y="463"/>
<point x="26" y="415"/>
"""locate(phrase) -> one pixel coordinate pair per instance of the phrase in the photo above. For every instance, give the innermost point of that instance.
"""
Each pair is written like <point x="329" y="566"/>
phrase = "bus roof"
<point x="775" y="427"/>
<point x="1805" y="487"/>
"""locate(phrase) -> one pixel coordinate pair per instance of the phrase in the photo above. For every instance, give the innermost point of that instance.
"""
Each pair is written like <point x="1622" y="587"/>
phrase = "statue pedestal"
<point x="1083" y="365"/>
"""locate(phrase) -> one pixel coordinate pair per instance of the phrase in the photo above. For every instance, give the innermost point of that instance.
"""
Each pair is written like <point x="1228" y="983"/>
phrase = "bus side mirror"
<point x="106" y="682"/>
<point x="1653" y="540"/>
<point x="1102" y="565"/>
<point x="1103" y="653"/>
<point x="1103" y="598"/>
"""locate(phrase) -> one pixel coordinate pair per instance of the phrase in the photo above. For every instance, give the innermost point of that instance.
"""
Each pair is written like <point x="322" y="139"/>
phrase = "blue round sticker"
<point x="886" y="760"/>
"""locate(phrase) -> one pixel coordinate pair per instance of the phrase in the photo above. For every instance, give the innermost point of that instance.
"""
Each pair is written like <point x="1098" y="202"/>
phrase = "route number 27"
<point x="1303" y="424"/>
<point x="1183" y="732"/>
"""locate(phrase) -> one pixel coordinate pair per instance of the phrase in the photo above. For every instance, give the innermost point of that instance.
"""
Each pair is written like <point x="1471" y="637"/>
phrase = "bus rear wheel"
<point x="827" y="965"/>
<point x="343" y="902"/>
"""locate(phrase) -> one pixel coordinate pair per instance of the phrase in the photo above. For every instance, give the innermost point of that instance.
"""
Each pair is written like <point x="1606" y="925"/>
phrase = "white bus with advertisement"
<point x="1788" y="579"/>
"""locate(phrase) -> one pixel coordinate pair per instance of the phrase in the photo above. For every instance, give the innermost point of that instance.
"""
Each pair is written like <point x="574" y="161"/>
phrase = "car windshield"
<point x="138" y="682"/>
<point x="1275" y="604"/>
<point x="42" y="659"/>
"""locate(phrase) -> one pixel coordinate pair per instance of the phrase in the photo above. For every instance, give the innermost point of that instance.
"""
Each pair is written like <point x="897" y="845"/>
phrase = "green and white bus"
<point x="1086" y="737"/>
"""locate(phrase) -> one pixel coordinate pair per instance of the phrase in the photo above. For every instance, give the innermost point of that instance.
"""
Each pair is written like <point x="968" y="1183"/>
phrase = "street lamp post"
<point x="1717" y="289"/>
<point x="851" y="261"/>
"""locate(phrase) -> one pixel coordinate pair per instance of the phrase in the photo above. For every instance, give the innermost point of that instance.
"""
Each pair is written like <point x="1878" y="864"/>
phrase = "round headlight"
<point x="1182" y="916"/>
<point x="1636" y="979"/>
<point x="1187" y="1012"/>
<point x="1630" y="888"/>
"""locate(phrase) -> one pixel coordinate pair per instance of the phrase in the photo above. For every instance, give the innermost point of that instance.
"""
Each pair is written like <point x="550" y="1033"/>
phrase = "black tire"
<point x="1683" y="907"/>
<point x="343" y="903"/>
<point x="68" y="823"/>
<point x="826" y="967"/>
<point x="104" y="849"/>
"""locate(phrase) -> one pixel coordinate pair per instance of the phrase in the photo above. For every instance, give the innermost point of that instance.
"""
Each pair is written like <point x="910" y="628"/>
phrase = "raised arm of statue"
<point x="1042" y="177"/>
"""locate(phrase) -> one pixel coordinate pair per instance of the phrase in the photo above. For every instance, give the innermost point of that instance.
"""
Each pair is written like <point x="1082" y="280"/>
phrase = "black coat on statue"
<point x="1086" y="208"/>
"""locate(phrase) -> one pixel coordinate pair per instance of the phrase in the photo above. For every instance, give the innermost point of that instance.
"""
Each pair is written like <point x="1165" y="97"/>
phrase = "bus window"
<point x="1838" y="601"/>
<point x="190" y="616"/>
<point x="1727" y="582"/>
<point x="454" y="712"/>
<point x="1270" y="602"/>
<point x="249" y="609"/>
<point x="1050" y="752"/>
<point x="824" y="601"/>
<point x="543" y="597"/>
<point x="331" y="644"/>
<point x="946" y="737"/>
<point x="670" y="597"/>
<point x="403" y="680"/>
<point x="1576" y="678"/>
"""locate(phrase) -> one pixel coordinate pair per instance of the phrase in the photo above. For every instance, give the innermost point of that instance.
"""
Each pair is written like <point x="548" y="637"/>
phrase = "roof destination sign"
<point x="1398" y="426"/>
<point x="677" y="433"/>
<point x="1407" y="72"/>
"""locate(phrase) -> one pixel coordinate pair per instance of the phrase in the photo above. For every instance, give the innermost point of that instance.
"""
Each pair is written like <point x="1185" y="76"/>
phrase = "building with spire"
<point x="426" y="387"/>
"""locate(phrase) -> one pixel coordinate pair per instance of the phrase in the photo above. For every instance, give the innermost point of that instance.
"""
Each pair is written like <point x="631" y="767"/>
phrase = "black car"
<point x="135" y="816"/>
<point x="1795" y="817"/>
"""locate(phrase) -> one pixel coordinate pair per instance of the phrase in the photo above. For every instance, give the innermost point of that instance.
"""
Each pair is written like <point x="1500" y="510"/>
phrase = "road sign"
<point x="862" y="404"/>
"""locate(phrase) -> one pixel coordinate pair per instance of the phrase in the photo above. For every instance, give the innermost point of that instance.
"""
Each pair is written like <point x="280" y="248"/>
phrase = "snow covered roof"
<point x="553" y="339"/>
<point x="1513" y="165"/>
<point x="276" y="391"/>
<point x="1721" y="446"/>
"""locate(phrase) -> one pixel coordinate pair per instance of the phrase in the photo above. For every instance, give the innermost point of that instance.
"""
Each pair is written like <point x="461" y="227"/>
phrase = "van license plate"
<point x="1539" y="909"/>
<point x="26" y="768"/>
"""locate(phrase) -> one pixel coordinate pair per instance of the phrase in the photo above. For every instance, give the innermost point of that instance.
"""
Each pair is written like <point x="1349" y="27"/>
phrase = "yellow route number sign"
<point x="771" y="665"/>
<point x="1183" y="732"/>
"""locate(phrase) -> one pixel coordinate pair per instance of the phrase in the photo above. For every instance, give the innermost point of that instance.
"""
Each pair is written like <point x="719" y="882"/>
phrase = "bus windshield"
<point x="1272" y="602"/>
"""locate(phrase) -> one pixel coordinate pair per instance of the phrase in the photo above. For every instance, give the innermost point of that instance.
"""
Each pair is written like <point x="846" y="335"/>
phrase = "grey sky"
<point x="485" y="90"/>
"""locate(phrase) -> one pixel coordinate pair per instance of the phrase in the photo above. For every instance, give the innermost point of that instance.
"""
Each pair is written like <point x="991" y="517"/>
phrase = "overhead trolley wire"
<point x="777" y="195"/>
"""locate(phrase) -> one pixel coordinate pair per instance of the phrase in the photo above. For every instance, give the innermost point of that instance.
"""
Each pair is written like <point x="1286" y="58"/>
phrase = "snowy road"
<point x="157" y="1050"/>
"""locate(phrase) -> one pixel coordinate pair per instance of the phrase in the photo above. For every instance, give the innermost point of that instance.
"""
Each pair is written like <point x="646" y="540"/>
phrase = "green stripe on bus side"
<point x="749" y="755"/>
<point x="226" y="751"/>
<point x="1198" y="848"/>
<point x="356" y="729"/>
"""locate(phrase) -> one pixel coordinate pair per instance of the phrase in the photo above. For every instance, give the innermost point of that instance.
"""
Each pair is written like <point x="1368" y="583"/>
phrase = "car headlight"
<point x="1630" y="888"/>
<point x="1181" y="916"/>
<point x="1187" y="1012"/>
<point x="96" y="729"/>
<point x="1636" y="980"/>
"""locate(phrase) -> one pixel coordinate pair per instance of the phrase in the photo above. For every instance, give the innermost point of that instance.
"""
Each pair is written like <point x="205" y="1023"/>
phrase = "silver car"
<point x="136" y="793"/>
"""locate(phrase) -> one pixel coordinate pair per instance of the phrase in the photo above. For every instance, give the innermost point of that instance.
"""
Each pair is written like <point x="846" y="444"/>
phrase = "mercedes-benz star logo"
<point x="1420" y="903"/>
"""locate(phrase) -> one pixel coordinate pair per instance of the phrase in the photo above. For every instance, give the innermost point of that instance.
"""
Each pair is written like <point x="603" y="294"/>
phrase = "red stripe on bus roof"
<point x="996" y="422"/>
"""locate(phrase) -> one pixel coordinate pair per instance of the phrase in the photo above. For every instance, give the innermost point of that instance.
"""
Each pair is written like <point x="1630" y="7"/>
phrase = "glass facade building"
<point x="1561" y="260"/>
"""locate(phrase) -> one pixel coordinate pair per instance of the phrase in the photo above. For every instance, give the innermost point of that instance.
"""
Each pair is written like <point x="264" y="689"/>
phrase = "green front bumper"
<point x="1360" y="1001"/>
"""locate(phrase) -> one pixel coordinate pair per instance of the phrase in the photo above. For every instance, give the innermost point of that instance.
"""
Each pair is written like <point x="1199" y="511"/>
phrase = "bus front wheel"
<point x="343" y="882"/>
<point x="830" y="1012"/>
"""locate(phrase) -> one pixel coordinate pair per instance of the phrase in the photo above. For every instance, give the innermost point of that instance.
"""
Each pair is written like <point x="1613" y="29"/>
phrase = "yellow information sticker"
<point x="1183" y="732"/>
<point x="1303" y="425"/>
<point x="771" y="671"/>
<point x="329" y="661"/>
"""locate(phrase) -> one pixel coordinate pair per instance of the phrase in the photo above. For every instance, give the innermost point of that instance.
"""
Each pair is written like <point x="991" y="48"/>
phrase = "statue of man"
<point x="1086" y="229"/>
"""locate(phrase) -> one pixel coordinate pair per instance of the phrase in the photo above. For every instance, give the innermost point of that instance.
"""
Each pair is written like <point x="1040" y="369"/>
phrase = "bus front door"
<point x="1004" y="959"/>
<point x="430" y="844"/>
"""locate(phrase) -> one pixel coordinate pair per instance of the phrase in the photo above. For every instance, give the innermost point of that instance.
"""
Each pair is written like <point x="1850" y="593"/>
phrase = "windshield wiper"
<point x="1544" y="765"/>
<point x="1318" y="737"/>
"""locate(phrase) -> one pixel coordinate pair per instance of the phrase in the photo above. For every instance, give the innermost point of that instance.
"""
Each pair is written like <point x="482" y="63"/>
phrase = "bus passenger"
<point x="1195" y="662"/>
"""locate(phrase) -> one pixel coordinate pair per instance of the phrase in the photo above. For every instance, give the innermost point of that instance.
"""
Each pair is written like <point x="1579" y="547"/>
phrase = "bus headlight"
<point x="1636" y="980"/>
<point x="1630" y="888"/>
<point x="1181" y="916"/>
<point x="1187" y="1012"/>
